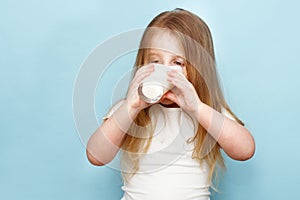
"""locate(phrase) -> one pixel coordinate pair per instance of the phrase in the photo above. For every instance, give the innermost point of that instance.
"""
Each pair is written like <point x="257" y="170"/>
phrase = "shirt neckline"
<point x="174" y="109"/>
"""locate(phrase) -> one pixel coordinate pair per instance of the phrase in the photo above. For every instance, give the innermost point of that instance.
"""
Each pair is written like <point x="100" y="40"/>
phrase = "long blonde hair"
<point x="188" y="28"/>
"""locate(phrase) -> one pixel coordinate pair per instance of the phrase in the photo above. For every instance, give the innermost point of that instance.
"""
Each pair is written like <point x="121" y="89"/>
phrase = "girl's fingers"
<point x="178" y="80"/>
<point x="181" y="85"/>
<point x="171" y="96"/>
<point x="175" y="73"/>
<point x="142" y="73"/>
<point x="141" y="76"/>
<point x="175" y="91"/>
<point x="145" y="68"/>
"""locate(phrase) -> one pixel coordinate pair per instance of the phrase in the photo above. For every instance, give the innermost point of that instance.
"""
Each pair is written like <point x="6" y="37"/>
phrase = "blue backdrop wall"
<point x="43" y="44"/>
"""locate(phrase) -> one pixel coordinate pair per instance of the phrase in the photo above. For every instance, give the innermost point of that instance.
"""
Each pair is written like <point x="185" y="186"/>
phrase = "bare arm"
<point x="106" y="141"/>
<point x="235" y="139"/>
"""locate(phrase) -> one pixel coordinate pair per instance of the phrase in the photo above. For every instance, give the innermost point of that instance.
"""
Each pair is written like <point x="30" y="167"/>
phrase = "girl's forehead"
<point x="162" y="52"/>
<point x="166" y="42"/>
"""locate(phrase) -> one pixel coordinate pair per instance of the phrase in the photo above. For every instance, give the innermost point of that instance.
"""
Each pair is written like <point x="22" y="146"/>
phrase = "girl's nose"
<point x="167" y="63"/>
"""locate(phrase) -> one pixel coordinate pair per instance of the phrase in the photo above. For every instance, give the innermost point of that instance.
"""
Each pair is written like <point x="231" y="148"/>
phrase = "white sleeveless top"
<point x="167" y="171"/>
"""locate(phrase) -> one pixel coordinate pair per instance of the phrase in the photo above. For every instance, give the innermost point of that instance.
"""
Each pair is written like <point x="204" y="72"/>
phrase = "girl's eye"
<point x="179" y="63"/>
<point x="154" y="61"/>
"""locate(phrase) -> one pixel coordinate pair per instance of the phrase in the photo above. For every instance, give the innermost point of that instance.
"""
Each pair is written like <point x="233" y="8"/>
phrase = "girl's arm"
<point x="106" y="141"/>
<point x="235" y="139"/>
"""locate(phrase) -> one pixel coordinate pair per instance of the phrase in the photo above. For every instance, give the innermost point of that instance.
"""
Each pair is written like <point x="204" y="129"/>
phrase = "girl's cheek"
<point x="184" y="72"/>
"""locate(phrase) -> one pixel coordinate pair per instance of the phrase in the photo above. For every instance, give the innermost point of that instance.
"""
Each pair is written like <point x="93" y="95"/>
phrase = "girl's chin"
<point x="167" y="102"/>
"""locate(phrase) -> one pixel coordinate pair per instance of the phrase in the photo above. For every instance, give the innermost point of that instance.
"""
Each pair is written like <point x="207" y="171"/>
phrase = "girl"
<point x="171" y="149"/>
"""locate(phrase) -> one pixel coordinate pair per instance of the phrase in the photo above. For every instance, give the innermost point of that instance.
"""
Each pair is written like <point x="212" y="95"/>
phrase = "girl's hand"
<point x="184" y="93"/>
<point x="133" y="99"/>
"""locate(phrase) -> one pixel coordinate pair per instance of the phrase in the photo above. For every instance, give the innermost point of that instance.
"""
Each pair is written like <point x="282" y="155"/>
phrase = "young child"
<point x="171" y="149"/>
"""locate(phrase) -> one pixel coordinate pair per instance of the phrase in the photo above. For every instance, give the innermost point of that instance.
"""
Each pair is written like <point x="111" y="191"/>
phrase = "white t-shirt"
<point x="167" y="171"/>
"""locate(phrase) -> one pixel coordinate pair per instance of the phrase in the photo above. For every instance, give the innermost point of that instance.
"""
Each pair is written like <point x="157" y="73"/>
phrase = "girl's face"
<point x="166" y="50"/>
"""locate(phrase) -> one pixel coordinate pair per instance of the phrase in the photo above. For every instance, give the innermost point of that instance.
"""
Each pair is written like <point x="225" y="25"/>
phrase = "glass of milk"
<point x="154" y="86"/>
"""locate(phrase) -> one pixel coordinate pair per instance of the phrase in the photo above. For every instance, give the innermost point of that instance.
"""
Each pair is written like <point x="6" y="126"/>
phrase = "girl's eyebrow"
<point x="177" y="56"/>
<point x="153" y="54"/>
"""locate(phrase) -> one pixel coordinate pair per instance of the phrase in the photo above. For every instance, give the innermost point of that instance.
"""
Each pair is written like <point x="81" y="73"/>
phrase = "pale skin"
<point x="236" y="141"/>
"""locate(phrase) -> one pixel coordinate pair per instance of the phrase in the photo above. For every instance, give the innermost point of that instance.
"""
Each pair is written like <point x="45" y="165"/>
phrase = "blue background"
<point x="43" y="43"/>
